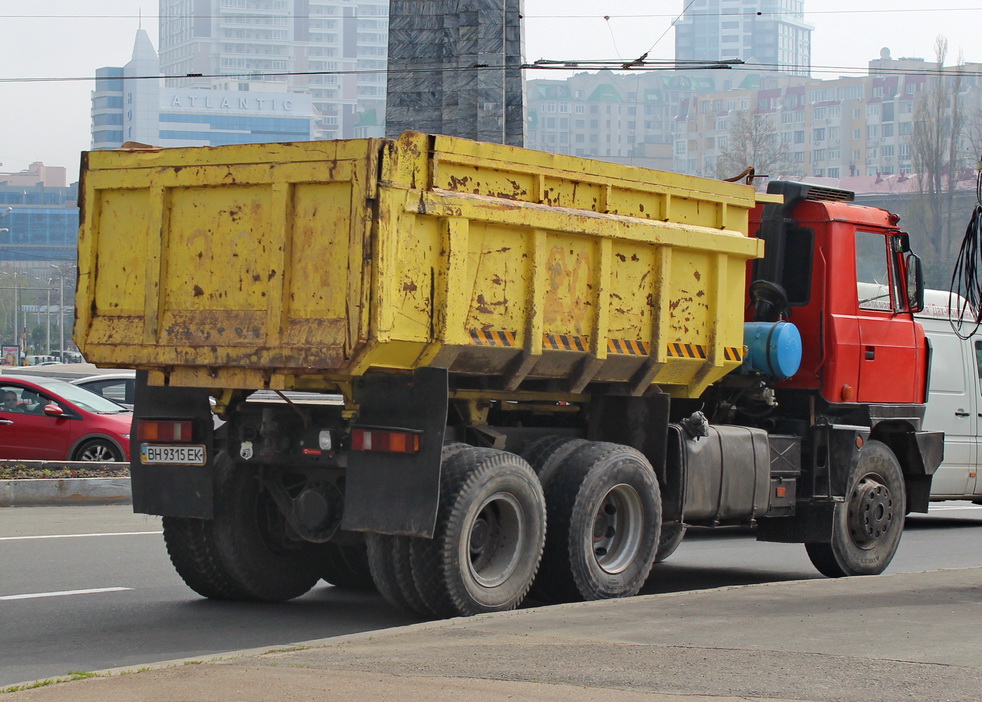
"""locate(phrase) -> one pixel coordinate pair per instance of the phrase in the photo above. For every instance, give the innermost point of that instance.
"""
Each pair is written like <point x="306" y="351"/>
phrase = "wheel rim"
<point x="870" y="512"/>
<point x="617" y="528"/>
<point x="98" y="452"/>
<point x="495" y="538"/>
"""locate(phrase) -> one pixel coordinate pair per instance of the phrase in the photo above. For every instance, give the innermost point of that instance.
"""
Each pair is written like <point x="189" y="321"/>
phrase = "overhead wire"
<point x="640" y="64"/>
<point x="965" y="292"/>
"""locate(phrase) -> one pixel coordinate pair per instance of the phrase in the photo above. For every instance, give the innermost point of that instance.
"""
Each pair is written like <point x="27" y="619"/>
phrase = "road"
<point x="89" y="588"/>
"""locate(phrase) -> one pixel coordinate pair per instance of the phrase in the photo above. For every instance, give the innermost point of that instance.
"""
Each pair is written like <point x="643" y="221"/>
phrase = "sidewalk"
<point x="910" y="636"/>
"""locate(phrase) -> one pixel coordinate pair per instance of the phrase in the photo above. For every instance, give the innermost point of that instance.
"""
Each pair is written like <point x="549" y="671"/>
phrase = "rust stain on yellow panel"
<point x="276" y="263"/>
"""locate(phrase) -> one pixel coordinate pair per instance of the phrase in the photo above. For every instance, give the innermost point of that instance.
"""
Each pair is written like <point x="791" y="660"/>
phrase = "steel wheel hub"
<point x="617" y="528"/>
<point x="495" y="539"/>
<point x="870" y="511"/>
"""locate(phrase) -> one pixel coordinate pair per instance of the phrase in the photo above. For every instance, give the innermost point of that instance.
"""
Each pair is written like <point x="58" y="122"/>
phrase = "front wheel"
<point x="866" y="527"/>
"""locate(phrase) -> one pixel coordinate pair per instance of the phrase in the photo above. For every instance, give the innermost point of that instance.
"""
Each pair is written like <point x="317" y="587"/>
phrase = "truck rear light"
<point x="164" y="430"/>
<point x="384" y="440"/>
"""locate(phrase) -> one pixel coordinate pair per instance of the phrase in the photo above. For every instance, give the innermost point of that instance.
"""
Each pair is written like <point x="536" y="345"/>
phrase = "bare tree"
<point x="938" y="128"/>
<point x="753" y="141"/>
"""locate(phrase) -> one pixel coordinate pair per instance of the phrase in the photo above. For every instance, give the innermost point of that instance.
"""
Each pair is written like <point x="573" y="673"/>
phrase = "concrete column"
<point x="455" y="68"/>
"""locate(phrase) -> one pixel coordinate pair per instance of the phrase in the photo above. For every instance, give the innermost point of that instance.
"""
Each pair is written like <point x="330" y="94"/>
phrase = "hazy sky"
<point x="47" y="39"/>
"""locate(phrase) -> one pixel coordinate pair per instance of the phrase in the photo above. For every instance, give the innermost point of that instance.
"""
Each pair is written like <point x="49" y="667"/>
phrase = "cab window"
<point x="875" y="281"/>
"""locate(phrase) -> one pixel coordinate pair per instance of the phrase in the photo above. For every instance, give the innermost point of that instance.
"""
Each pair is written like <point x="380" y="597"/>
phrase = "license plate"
<point x="182" y="455"/>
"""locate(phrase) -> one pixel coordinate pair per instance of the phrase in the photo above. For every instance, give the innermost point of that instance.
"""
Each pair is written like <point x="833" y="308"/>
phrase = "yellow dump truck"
<point x="455" y="371"/>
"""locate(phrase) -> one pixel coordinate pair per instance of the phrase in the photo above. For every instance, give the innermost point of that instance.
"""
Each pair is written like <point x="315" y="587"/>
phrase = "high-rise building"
<point x="770" y="33"/>
<point x="333" y="50"/>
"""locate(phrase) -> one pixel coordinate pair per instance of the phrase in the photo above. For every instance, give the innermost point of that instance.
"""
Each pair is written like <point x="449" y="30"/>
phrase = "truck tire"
<point x="604" y="508"/>
<point x="380" y="562"/>
<point x="346" y="567"/>
<point x="243" y="553"/>
<point x="489" y="535"/>
<point x="191" y="547"/>
<point x="866" y="527"/>
<point x="671" y="537"/>
<point x="546" y="454"/>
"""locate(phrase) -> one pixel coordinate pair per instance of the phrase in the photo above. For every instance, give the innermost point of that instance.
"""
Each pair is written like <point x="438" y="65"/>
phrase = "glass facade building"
<point x="128" y="107"/>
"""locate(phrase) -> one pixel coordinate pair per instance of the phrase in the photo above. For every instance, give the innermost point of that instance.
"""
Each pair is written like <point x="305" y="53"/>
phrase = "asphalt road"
<point x="89" y="588"/>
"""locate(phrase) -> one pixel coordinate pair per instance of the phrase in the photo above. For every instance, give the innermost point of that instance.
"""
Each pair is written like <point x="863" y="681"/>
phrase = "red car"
<point x="46" y="419"/>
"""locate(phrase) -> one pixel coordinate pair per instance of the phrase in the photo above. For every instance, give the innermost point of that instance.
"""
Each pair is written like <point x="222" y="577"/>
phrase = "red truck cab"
<point x="851" y="287"/>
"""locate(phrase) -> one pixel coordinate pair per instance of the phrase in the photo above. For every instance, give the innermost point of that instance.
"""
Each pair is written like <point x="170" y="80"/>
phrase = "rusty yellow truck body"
<point x="285" y="266"/>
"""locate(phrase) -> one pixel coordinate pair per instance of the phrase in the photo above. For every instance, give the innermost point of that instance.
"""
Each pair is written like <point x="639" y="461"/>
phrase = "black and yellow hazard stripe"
<point x="626" y="347"/>
<point x="629" y="347"/>
<point x="480" y="337"/>
<point x="564" y="342"/>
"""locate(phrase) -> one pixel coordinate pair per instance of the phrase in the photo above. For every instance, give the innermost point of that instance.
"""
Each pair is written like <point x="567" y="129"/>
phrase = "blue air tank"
<point x="773" y="348"/>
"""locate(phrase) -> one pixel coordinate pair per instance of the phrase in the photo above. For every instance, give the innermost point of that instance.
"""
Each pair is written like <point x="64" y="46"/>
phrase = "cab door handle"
<point x="6" y="421"/>
<point x="961" y="413"/>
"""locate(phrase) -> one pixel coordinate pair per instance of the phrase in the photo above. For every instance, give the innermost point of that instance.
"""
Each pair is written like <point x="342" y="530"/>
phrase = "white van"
<point x="954" y="401"/>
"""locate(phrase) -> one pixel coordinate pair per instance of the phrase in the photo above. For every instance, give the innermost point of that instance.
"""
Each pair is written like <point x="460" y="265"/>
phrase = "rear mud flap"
<point x="393" y="493"/>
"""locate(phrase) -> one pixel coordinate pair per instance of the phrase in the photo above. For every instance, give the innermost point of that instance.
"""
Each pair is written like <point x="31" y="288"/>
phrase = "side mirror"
<point x="915" y="283"/>
<point x="53" y="410"/>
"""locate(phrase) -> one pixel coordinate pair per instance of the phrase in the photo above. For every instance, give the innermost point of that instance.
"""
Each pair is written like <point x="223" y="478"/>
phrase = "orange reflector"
<point x="385" y="441"/>
<point x="780" y="492"/>
<point x="163" y="430"/>
<point x="972" y="474"/>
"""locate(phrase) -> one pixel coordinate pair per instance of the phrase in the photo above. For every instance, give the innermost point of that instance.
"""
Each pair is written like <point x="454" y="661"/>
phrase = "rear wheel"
<point x="866" y="527"/>
<point x="545" y="455"/>
<point x="100" y="450"/>
<point x="670" y="539"/>
<point x="388" y="557"/>
<point x="489" y="535"/>
<point x="247" y="551"/>
<point x="604" y="510"/>
<point x="346" y="567"/>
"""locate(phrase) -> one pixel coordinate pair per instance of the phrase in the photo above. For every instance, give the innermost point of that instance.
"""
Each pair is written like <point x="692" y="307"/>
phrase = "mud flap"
<point x="172" y="490"/>
<point x="393" y="493"/>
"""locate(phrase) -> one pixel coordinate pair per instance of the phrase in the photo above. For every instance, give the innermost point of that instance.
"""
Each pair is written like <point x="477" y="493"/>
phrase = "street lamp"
<point x="62" y="272"/>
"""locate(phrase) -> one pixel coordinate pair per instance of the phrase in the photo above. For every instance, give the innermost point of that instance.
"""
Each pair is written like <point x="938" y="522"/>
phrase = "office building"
<point x="38" y="217"/>
<point x="332" y="50"/>
<point x="127" y="106"/>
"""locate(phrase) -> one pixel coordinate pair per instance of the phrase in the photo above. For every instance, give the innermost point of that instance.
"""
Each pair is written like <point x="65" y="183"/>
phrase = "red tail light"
<point x="384" y="440"/>
<point x="164" y="430"/>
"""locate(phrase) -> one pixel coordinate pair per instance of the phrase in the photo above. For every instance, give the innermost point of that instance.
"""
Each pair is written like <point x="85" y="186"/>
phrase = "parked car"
<point x="49" y="419"/>
<point x="117" y="387"/>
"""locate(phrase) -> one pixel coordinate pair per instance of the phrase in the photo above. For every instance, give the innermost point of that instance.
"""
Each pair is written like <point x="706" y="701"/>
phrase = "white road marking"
<point x="77" y="536"/>
<point x="63" y="593"/>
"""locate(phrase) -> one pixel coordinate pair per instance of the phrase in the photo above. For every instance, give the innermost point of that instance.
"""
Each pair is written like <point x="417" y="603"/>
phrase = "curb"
<point x="65" y="491"/>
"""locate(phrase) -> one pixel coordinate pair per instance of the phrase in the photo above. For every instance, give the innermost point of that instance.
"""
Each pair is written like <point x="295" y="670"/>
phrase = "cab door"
<point x="887" y="338"/>
<point x="26" y="432"/>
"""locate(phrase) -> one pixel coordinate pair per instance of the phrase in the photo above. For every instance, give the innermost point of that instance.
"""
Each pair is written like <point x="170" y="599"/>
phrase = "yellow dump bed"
<point x="275" y="265"/>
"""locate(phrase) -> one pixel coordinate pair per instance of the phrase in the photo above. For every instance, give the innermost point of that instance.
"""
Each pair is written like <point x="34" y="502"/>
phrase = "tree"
<point x="937" y="161"/>
<point x="753" y="141"/>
